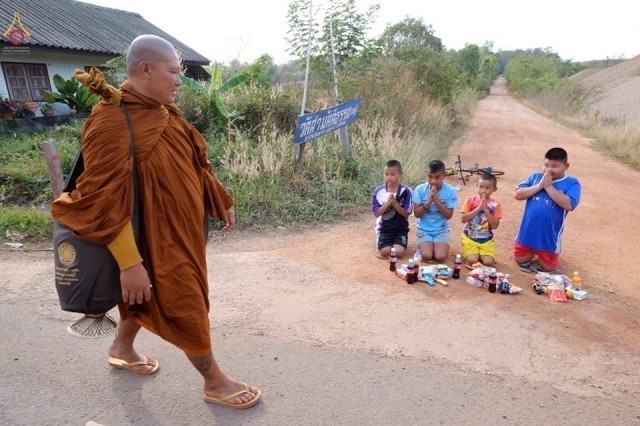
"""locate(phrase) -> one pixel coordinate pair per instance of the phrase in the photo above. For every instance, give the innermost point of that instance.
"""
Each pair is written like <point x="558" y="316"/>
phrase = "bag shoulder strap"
<point x="135" y="213"/>
<point x="78" y="164"/>
<point x="78" y="168"/>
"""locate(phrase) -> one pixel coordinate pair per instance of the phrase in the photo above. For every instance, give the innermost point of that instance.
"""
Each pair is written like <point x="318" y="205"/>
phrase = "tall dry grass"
<point x="618" y="140"/>
<point x="267" y="159"/>
<point x="384" y="140"/>
<point x="268" y="189"/>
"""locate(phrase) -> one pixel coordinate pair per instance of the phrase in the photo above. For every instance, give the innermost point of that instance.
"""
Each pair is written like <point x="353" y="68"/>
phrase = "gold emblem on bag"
<point x="66" y="253"/>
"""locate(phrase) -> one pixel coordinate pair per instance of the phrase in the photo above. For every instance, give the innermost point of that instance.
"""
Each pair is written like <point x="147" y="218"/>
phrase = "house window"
<point x="26" y="81"/>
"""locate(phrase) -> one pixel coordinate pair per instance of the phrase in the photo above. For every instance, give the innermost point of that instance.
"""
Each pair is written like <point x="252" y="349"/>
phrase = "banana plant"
<point x="72" y="93"/>
<point x="216" y="87"/>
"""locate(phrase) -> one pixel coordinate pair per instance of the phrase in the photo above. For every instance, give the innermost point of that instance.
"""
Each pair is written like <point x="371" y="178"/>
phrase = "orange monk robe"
<point x="176" y="186"/>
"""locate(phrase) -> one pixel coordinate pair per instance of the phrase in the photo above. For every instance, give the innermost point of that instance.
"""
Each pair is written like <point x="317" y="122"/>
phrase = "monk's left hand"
<point x="135" y="284"/>
<point x="231" y="220"/>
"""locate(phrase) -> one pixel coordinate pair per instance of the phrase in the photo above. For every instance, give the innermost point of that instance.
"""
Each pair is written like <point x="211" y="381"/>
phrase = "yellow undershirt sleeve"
<point x="124" y="248"/>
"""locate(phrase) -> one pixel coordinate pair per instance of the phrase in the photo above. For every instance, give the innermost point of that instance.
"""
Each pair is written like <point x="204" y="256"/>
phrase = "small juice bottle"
<point x="576" y="281"/>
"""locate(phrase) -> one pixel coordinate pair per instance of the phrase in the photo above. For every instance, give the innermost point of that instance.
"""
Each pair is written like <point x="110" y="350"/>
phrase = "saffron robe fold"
<point x="176" y="188"/>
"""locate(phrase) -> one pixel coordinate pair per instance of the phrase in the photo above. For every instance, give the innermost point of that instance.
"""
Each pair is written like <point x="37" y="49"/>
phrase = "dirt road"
<point x="315" y="320"/>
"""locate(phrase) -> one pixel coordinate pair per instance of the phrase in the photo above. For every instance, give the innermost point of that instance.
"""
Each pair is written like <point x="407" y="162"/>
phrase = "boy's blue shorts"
<point x="386" y="240"/>
<point x="428" y="237"/>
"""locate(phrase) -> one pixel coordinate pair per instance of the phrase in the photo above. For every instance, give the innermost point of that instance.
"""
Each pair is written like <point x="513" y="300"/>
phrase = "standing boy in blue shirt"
<point x="433" y="204"/>
<point x="550" y="196"/>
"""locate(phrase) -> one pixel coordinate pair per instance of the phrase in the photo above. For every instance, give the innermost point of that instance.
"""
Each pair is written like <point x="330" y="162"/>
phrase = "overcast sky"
<point x="245" y="29"/>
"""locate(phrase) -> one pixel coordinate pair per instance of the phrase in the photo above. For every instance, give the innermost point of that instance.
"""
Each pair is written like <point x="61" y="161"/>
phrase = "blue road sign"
<point x="315" y="124"/>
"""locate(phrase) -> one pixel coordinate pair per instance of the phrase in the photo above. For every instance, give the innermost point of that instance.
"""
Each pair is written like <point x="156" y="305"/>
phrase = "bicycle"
<point x="451" y="171"/>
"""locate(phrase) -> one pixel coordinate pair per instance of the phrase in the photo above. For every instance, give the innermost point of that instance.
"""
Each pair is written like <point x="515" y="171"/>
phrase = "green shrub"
<point x="23" y="172"/>
<point x="529" y="76"/>
<point x="194" y="108"/>
<point x="24" y="223"/>
<point x="265" y="107"/>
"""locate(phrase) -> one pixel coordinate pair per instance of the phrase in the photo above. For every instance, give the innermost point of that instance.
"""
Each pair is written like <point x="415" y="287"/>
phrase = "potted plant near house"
<point x="72" y="93"/>
<point x="30" y="107"/>
<point x="27" y="109"/>
<point x="7" y="108"/>
<point x="47" y="109"/>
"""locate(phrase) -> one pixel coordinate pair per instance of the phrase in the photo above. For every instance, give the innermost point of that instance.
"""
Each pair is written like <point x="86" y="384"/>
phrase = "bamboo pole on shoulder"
<point x="53" y="166"/>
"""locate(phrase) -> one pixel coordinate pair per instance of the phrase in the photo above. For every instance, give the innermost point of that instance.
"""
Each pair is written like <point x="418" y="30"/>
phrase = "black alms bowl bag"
<point x="87" y="276"/>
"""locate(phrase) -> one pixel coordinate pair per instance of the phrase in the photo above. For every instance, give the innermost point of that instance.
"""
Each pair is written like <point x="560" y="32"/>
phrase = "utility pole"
<point x="299" y="147"/>
<point x="342" y="132"/>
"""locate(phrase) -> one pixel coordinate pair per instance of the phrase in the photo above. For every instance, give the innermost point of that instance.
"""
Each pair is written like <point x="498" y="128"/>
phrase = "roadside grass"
<point x="257" y="168"/>
<point x="19" y="223"/>
<point x="268" y="189"/>
<point x="25" y="191"/>
<point x="618" y="140"/>
<point x="24" y="179"/>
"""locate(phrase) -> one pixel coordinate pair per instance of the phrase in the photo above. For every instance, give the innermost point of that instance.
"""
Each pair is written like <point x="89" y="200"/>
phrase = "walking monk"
<point x="164" y="279"/>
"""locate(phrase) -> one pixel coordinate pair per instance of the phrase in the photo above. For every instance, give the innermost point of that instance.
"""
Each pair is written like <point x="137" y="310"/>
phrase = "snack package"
<point x="546" y="279"/>
<point x="478" y="277"/>
<point x="579" y="294"/>
<point x="514" y="289"/>
<point x="557" y="287"/>
<point x="556" y="293"/>
<point x="436" y="271"/>
<point x="430" y="274"/>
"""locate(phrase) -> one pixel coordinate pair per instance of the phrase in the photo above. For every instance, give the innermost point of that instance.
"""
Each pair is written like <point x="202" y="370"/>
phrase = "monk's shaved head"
<point x="153" y="68"/>
<point x="148" y="48"/>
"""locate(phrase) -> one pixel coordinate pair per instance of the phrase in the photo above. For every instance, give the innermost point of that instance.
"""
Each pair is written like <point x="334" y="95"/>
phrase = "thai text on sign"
<point x="315" y="124"/>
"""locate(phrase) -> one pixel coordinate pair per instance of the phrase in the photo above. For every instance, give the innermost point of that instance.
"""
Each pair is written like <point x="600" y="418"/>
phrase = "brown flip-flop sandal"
<point x="224" y="401"/>
<point x="124" y="365"/>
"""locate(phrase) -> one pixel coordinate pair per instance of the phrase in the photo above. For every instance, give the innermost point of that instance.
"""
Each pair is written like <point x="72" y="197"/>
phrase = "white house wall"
<point x="64" y="64"/>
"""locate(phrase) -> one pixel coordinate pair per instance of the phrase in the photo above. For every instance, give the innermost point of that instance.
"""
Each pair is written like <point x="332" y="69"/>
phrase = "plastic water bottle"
<point x="417" y="256"/>
<point x="576" y="281"/>
<point x="456" y="267"/>
<point x="393" y="258"/>
<point x="505" y="286"/>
